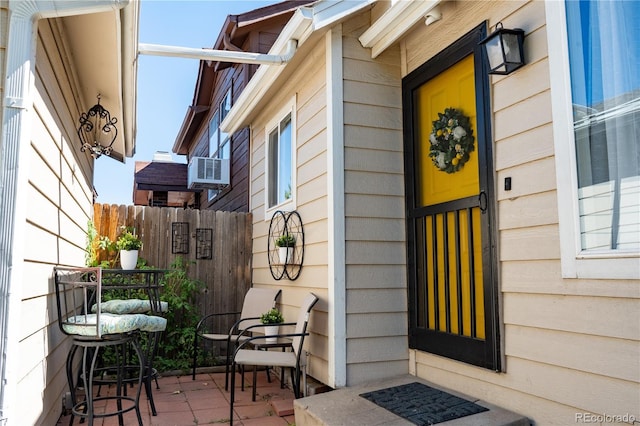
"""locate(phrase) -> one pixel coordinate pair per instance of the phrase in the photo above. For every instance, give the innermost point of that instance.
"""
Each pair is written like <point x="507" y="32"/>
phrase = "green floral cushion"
<point x="128" y="306"/>
<point x="85" y="325"/>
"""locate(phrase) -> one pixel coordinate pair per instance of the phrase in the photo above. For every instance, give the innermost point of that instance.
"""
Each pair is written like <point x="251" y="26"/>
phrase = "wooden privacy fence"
<point x="216" y="244"/>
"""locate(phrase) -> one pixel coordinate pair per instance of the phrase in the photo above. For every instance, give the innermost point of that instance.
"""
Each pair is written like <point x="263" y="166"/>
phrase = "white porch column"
<point x="336" y="213"/>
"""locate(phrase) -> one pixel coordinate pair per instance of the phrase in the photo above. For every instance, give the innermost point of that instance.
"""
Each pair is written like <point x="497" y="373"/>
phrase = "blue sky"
<point x="165" y="85"/>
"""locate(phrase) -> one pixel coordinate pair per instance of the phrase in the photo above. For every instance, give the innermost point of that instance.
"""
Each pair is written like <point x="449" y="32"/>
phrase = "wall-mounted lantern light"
<point x="97" y="131"/>
<point x="504" y="50"/>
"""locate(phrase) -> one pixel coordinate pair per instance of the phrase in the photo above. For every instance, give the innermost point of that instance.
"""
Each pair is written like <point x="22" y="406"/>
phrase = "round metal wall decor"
<point x="285" y="245"/>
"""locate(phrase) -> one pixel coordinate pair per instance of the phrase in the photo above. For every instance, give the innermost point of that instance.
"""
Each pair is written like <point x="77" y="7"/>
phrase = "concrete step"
<point x="345" y="407"/>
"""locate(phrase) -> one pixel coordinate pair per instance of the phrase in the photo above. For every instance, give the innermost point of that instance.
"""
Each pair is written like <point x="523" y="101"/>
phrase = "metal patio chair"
<point x="295" y="360"/>
<point x="256" y="302"/>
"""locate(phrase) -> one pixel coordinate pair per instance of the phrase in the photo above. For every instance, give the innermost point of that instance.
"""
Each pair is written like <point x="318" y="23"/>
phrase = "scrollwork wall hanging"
<point x="285" y="245"/>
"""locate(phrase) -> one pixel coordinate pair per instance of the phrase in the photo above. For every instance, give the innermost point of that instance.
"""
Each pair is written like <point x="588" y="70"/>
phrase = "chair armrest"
<point x="252" y="327"/>
<point x="205" y="318"/>
<point x="236" y="325"/>
<point x="248" y="341"/>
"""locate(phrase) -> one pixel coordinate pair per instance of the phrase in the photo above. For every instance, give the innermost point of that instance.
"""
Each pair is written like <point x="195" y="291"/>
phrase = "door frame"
<point x="485" y="353"/>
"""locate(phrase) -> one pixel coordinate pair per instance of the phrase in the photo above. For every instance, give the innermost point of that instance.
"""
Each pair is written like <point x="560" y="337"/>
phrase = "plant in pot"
<point x="271" y="319"/>
<point x="128" y="243"/>
<point x="286" y="244"/>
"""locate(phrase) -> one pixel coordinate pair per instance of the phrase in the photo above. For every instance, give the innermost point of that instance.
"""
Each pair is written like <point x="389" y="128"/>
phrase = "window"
<point x="596" y="107"/>
<point x="280" y="160"/>
<point x="219" y="141"/>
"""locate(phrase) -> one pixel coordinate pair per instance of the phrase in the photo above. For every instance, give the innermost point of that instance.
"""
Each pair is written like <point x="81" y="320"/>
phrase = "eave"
<point x="103" y="49"/>
<point x="394" y="24"/>
<point x="306" y="24"/>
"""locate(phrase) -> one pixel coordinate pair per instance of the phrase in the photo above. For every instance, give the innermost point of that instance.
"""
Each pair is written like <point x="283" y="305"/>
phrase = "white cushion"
<point x="128" y="306"/>
<point x="85" y="325"/>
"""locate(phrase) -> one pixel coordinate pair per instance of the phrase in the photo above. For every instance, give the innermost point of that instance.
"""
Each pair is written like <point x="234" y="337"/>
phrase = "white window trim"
<point x="289" y="205"/>
<point x="576" y="263"/>
<point x="212" y="194"/>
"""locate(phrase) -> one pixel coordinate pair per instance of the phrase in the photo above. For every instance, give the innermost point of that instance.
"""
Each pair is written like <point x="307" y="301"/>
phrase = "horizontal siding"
<point x="620" y="316"/>
<point x="307" y="85"/>
<point x="560" y="348"/>
<point x="533" y="243"/>
<point x="374" y="209"/>
<point x="377" y="349"/>
<point x="537" y="209"/>
<point x="59" y="204"/>
<point x="569" y="346"/>
<point x="539" y="143"/>
<point x="373" y="371"/>
<point x="389" y="324"/>
<point x="529" y="383"/>
<point x="543" y="276"/>
<point x="381" y="276"/>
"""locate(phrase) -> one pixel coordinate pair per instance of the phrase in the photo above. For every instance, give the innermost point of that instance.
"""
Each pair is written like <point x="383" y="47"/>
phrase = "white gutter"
<point x="305" y="21"/>
<point x="220" y="55"/>
<point x="14" y="140"/>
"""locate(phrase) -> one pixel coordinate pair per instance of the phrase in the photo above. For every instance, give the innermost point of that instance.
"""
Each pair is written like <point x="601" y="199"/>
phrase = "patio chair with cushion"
<point x="256" y="302"/>
<point x="295" y="360"/>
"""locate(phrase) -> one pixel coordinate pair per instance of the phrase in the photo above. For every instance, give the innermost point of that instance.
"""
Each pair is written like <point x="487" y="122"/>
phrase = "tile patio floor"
<point x="181" y="401"/>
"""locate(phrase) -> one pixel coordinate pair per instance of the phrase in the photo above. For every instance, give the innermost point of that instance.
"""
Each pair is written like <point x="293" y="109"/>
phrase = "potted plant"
<point x="128" y="243"/>
<point x="286" y="243"/>
<point x="271" y="319"/>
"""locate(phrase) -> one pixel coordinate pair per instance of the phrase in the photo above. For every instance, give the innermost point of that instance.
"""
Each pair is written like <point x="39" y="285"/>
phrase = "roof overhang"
<point x="103" y="50"/>
<point x="394" y="23"/>
<point x="306" y="25"/>
<point x="231" y="38"/>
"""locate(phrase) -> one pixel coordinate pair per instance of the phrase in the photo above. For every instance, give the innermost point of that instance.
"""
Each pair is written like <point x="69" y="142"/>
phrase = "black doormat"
<point x="421" y="404"/>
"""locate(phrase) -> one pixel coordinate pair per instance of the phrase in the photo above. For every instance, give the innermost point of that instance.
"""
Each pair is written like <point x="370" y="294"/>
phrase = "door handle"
<point x="482" y="200"/>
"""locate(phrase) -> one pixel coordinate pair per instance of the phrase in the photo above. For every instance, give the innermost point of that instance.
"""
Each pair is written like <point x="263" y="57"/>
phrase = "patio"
<point x="181" y="401"/>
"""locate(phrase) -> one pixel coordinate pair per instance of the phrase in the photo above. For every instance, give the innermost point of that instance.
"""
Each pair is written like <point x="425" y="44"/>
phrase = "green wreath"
<point x="451" y="140"/>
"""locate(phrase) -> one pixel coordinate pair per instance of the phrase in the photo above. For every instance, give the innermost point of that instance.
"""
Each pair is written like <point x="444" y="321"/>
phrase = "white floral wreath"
<point x="451" y="140"/>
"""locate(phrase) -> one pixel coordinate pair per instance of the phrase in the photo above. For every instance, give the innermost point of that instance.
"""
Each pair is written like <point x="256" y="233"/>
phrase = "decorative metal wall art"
<point x="204" y="243"/>
<point x="180" y="237"/>
<point x="285" y="245"/>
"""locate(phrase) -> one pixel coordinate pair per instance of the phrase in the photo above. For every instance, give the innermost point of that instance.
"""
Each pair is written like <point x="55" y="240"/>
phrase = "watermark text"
<point x="604" y="418"/>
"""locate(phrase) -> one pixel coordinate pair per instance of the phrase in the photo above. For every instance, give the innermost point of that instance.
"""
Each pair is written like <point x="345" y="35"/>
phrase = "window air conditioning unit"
<point x="208" y="173"/>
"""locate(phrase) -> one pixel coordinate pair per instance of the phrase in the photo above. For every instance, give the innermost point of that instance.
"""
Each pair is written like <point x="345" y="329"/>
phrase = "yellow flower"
<point x="439" y="133"/>
<point x="458" y="156"/>
<point x="455" y="161"/>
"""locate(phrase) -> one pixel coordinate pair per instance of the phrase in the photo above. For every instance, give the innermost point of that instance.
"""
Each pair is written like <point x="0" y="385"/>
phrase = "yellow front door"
<point x="452" y="266"/>
<point x="454" y="286"/>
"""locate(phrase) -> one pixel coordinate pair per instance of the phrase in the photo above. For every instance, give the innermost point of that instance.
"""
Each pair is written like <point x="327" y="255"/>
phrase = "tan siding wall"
<point x="374" y="208"/>
<point x="307" y="85"/>
<point x="60" y="203"/>
<point x="570" y="345"/>
<point x="4" y="36"/>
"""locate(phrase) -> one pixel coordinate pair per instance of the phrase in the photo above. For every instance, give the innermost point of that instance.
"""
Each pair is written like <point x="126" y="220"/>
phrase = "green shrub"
<point x="180" y="291"/>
